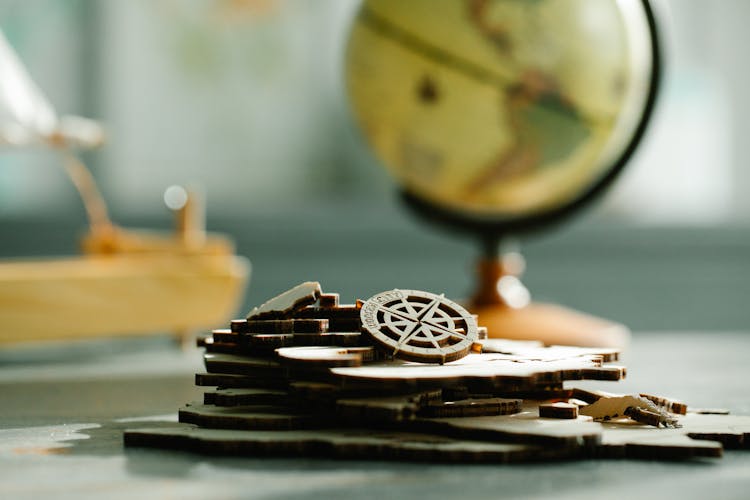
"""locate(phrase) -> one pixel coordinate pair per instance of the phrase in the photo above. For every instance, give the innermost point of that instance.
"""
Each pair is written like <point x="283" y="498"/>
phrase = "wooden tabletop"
<point x="63" y="409"/>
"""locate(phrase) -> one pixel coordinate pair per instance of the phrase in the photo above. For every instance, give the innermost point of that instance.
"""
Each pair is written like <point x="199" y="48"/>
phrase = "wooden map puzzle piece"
<point x="344" y="311"/>
<point x="365" y="444"/>
<point x="251" y="417"/>
<point x="491" y="372"/>
<point x="323" y="357"/>
<point x="342" y="339"/>
<point x="700" y="436"/>
<point x="287" y="326"/>
<point x="243" y="397"/>
<point x="537" y="351"/>
<point x="227" y="380"/>
<point x="638" y="408"/>
<point x="284" y="305"/>
<point x="471" y="408"/>
<point x="242" y="365"/>
<point x="386" y="408"/>
<point x="522" y="427"/>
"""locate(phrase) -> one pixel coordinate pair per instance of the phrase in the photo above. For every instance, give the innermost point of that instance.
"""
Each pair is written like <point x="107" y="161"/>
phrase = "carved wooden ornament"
<point x="419" y="326"/>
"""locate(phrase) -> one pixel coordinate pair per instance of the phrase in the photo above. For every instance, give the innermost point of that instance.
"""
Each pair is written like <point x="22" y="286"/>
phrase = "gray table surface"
<point x="63" y="409"/>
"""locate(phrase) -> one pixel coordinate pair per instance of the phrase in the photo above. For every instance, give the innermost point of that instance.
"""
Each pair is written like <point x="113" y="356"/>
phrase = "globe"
<point x="502" y="110"/>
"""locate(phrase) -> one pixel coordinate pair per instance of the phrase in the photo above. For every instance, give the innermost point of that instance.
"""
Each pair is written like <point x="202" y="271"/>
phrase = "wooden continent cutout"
<point x="283" y="305"/>
<point x="419" y="326"/>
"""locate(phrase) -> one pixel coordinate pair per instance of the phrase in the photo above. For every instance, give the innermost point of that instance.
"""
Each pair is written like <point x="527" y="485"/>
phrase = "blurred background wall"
<point x="244" y="98"/>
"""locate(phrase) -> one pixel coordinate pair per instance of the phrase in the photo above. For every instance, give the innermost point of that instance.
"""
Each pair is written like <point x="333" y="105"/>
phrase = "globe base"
<point x="503" y="305"/>
<point x="551" y="324"/>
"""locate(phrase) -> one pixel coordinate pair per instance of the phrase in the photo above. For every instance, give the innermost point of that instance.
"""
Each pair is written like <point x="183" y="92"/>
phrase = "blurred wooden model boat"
<point x="126" y="282"/>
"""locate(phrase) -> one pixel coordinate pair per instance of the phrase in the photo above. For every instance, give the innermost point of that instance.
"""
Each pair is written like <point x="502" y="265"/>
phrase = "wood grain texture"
<point x="97" y="296"/>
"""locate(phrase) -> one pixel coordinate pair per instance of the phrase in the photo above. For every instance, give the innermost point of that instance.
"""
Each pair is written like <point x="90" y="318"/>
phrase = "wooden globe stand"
<point x="501" y="300"/>
<point x="504" y="306"/>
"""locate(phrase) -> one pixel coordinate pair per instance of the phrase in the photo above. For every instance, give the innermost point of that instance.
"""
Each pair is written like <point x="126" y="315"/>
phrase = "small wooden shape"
<point x="328" y="300"/>
<point x="284" y="305"/>
<point x="537" y="350"/>
<point x="343" y="339"/>
<point x="419" y="326"/>
<point x="242" y="365"/>
<point x="322" y="357"/>
<point x="286" y="326"/>
<point x="558" y="410"/>
<point x="270" y="341"/>
<point x="239" y="326"/>
<point x="225" y="335"/>
<point x="258" y="417"/>
<point x="345" y="325"/>
<point x="228" y="380"/>
<point x="669" y="404"/>
<point x="385" y="409"/>
<point x="313" y="391"/>
<point x="243" y="397"/>
<point x="482" y="332"/>
<point x="635" y="407"/>
<point x="710" y="411"/>
<point x="471" y="408"/>
<point x="456" y="393"/>
<point x="343" y="311"/>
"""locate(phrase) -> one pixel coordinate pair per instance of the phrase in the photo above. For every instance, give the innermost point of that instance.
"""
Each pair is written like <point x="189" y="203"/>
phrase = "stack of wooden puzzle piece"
<point x="409" y="375"/>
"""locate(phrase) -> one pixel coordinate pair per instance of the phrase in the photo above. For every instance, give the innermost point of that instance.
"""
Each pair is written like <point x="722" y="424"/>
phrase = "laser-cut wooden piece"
<point x="225" y="335"/>
<point x="351" y="443"/>
<point x="471" y="408"/>
<point x="581" y="434"/>
<point x="285" y="304"/>
<point x="669" y="404"/>
<point x="558" y="410"/>
<point x="321" y="357"/>
<point x="635" y="407"/>
<point x="270" y="341"/>
<point x="342" y="339"/>
<point x="419" y="326"/>
<point x="698" y="436"/>
<point x="239" y="326"/>
<point x="328" y="300"/>
<point x="242" y="365"/>
<point x="386" y="408"/>
<point x="345" y="325"/>
<point x="343" y="311"/>
<point x="482" y="372"/>
<point x="256" y="417"/>
<point x="701" y="436"/>
<point x="243" y="397"/>
<point x="482" y="333"/>
<point x="710" y="411"/>
<point x="304" y="388"/>
<point x="536" y="350"/>
<point x="239" y="381"/>
<point x="286" y="326"/>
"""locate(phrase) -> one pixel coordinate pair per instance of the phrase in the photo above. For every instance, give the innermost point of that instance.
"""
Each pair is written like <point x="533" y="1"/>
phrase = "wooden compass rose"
<point x="419" y="326"/>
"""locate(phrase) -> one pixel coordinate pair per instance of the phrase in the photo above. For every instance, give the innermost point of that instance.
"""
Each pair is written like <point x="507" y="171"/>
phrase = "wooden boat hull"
<point x="108" y="295"/>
